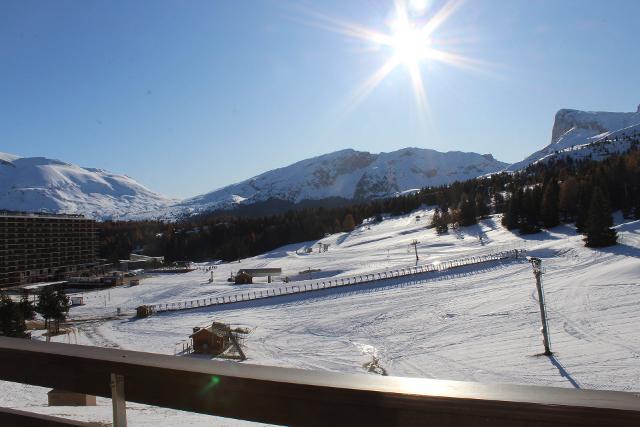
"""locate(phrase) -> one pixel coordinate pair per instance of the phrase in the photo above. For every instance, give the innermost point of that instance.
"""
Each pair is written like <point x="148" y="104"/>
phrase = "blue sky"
<point x="188" y="96"/>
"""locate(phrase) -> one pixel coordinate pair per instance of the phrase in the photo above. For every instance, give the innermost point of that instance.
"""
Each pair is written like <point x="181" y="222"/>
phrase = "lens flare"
<point x="410" y="44"/>
<point x="213" y="382"/>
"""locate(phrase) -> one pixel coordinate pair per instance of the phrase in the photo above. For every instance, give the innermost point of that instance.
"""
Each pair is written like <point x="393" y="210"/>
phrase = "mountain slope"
<point x="577" y="132"/>
<point x="350" y="175"/>
<point x="40" y="184"/>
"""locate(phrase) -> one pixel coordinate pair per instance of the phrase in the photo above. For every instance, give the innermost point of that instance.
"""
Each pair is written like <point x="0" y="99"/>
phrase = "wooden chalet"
<point x="214" y="339"/>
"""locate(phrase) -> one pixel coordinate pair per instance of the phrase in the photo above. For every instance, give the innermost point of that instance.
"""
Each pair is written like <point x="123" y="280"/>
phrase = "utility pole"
<point x="536" y="263"/>
<point x="415" y="248"/>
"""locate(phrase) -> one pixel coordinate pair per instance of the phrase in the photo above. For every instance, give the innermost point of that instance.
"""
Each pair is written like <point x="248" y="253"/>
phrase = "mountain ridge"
<point x="340" y="177"/>
<point x="347" y="174"/>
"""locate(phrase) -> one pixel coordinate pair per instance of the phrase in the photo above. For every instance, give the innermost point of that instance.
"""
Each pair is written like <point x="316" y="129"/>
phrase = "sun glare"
<point x="409" y="43"/>
<point x="410" y="39"/>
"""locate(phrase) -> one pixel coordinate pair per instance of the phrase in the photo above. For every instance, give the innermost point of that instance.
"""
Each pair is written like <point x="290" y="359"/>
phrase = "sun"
<point x="409" y="43"/>
<point x="411" y="39"/>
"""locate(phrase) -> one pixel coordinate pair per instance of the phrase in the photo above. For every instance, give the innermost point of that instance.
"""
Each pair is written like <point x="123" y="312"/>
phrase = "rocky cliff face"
<point x="575" y="128"/>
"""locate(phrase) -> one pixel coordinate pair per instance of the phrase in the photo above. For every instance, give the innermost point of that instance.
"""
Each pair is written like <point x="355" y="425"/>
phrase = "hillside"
<point x="40" y="184"/>
<point x="348" y="175"/>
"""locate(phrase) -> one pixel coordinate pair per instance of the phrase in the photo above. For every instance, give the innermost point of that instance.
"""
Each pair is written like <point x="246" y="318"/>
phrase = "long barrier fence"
<point x="335" y="283"/>
<point x="286" y="396"/>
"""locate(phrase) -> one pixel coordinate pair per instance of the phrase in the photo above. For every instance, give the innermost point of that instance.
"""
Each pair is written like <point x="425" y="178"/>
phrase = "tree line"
<point x="584" y="192"/>
<point x="53" y="306"/>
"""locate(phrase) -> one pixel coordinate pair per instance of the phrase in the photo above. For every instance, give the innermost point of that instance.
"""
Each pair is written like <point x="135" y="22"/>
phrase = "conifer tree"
<point x="46" y="306"/>
<point x="482" y="205"/>
<point x="531" y="201"/>
<point x="435" y="219"/>
<point x="52" y="305"/>
<point x="599" y="222"/>
<point x="26" y="307"/>
<point x="467" y="211"/>
<point x="511" y="218"/>
<point x="582" y="206"/>
<point x="63" y="303"/>
<point x="499" y="203"/>
<point x="549" y="208"/>
<point x="568" y="198"/>
<point x="440" y="221"/>
<point x="11" y="320"/>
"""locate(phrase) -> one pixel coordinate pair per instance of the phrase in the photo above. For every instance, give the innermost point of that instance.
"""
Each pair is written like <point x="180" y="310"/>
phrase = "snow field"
<point x="477" y="323"/>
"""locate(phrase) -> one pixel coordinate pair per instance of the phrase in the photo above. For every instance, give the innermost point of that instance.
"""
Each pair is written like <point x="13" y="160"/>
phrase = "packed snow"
<point x="477" y="323"/>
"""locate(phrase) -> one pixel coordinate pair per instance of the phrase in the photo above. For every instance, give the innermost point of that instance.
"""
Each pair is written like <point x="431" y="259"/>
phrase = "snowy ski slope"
<point x="474" y="323"/>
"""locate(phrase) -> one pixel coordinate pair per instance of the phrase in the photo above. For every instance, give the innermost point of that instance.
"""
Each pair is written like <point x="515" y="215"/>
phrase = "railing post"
<point x="117" y="401"/>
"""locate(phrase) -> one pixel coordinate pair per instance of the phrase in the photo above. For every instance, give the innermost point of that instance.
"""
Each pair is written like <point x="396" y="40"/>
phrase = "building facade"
<point x="42" y="247"/>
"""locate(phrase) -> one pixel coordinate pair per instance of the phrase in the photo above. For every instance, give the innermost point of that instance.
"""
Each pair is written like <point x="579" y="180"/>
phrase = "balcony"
<point x="296" y="397"/>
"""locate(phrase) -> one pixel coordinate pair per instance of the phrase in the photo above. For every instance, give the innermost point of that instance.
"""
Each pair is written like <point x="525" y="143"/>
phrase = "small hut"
<point x="144" y="311"/>
<point x="243" y="278"/>
<point x="214" y="339"/>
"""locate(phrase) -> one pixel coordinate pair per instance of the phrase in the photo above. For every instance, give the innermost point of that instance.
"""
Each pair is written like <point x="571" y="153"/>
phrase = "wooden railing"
<point x="299" y="397"/>
<point x="364" y="278"/>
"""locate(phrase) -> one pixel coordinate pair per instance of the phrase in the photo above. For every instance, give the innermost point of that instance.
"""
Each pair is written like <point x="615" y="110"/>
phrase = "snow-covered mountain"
<point x="585" y="133"/>
<point x="350" y="175"/>
<point x="46" y="185"/>
<point x="37" y="184"/>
